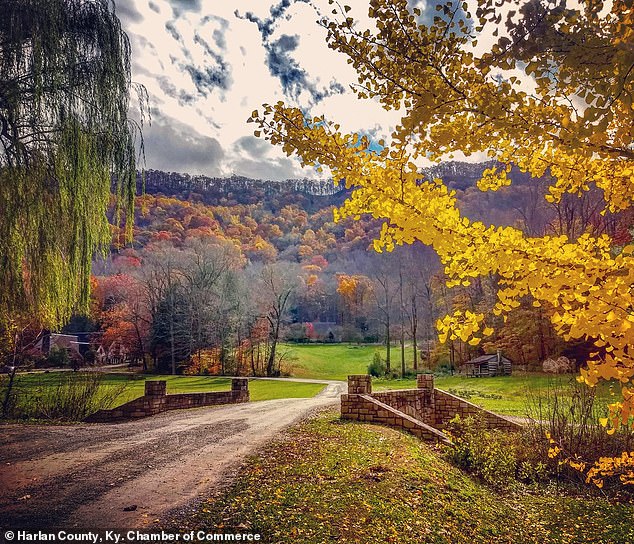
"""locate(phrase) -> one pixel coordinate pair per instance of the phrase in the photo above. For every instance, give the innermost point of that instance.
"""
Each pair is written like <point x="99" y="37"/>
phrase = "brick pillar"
<point x="425" y="383"/>
<point x="156" y="388"/>
<point x="155" y="398"/>
<point x="240" y="389"/>
<point x="359" y="384"/>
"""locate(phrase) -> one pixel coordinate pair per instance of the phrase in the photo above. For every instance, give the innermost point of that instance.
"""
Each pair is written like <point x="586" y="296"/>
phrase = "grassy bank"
<point x="347" y="482"/>
<point x="509" y="395"/>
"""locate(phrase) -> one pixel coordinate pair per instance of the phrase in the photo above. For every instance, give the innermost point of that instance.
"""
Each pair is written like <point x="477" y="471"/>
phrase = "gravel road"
<point x="130" y="475"/>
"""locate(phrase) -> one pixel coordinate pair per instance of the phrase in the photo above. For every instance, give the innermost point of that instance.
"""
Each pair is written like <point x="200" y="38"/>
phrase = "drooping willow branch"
<point x="64" y="134"/>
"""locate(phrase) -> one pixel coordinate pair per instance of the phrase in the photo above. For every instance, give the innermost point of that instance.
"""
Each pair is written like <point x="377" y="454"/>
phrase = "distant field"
<point x="336" y="361"/>
<point x="505" y="394"/>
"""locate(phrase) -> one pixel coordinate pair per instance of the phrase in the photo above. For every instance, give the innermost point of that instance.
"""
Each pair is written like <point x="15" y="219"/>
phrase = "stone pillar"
<point x="155" y="388"/>
<point x="155" y="398"/>
<point x="239" y="384"/>
<point x="360" y="384"/>
<point x="240" y="389"/>
<point x="425" y="383"/>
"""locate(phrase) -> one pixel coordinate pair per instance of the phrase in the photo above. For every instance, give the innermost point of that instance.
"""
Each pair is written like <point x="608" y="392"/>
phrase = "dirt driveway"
<point x="87" y="475"/>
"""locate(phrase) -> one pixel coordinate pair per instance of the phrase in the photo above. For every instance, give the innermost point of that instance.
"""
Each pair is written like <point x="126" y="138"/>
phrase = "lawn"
<point x="504" y="394"/>
<point x="259" y="389"/>
<point x="336" y="361"/>
<point x="334" y="481"/>
<point x="30" y="387"/>
<point x="510" y="395"/>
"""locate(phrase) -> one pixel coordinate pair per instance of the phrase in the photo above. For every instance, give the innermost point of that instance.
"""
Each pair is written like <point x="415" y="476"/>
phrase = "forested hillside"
<point x="221" y="270"/>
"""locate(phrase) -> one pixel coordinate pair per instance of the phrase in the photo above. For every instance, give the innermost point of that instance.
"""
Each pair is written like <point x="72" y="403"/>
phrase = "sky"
<point x="207" y="64"/>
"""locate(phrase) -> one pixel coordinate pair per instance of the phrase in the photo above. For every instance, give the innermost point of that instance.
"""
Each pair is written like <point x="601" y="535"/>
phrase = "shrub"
<point x="569" y="413"/>
<point x="489" y="454"/>
<point x="377" y="367"/>
<point x="58" y="357"/>
<point x="74" y="397"/>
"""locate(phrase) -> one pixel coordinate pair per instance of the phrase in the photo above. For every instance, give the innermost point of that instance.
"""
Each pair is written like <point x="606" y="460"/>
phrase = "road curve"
<point x="85" y="475"/>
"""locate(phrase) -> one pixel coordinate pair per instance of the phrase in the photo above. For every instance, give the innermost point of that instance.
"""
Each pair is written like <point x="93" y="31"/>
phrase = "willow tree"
<point x="64" y="133"/>
<point x="552" y="94"/>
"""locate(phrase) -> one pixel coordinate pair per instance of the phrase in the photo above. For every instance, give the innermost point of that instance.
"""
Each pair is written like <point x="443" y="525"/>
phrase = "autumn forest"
<point x="316" y="280"/>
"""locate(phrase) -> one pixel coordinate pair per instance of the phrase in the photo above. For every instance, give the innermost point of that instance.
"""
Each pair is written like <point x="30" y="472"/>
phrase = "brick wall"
<point x="156" y="400"/>
<point x="369" y="408"/>
<point x="413" y="402"/>
<point x="448" y="405"/>
<point x="422" y="411"/>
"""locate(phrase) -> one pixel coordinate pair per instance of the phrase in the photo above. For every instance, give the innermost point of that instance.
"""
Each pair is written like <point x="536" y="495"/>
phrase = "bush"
<point x="489" y="454"/>
<point x="58" y="358"/>
<point x="377" y="367"/>
<point x="73" y="398"/>
<point x="443" y="369"/>
<point x="568" y="412"/>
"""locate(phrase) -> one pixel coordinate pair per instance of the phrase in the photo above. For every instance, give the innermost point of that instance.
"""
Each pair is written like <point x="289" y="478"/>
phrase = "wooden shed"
<point x="494" y="364"/>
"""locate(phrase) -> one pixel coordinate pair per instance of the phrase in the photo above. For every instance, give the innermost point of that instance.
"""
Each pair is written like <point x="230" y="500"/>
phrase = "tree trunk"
<point x="172" y="348"/>
<point x="7" y="394"/>
<point x="387" y="345"/>
<point x="414" y="332"/>
<point x="141" y="345"/>
<point x="270" y="365"/>
<point x="402" y="351"/>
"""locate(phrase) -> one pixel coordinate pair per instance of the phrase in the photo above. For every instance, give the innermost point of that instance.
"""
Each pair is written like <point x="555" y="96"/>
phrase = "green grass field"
<point x="337" y="361"/>
<point x="504" y="394"/>
<point x="30" y="386"/>
<point x="510" y="395"/>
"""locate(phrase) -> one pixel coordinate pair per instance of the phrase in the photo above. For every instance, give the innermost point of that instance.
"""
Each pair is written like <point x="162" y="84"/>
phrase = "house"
<point x="67" y="342"/>
<point x="324" y="331"/>
<point x="77" y="346"/>
<point x="494" y="364"/>
<point x="117" y="353"/>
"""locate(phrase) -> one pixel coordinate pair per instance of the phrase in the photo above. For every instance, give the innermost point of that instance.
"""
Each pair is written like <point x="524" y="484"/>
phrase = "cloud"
<point x="207" y="64"/>
<point x="281" y="168"/>
<point x="210" y="77"/>
<point x="253" y="147"/>
<point x="174" y="147"/>
<point x="185" y="5"/>
<point x="266" y="25"/>
<point x="282" y="66"/>
<point x="294" y="79"/>
<point x="128" y="13"/>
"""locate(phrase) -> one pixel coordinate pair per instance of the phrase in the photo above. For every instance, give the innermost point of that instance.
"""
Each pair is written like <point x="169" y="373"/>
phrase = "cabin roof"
<point x="485" y="359"/>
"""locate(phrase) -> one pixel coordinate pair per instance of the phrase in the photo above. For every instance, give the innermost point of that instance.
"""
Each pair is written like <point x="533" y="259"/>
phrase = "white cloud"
<point x="207" y="64"/>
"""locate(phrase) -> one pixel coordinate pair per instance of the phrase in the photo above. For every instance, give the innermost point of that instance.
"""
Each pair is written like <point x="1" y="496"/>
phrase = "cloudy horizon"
<point x="207" y="65"/>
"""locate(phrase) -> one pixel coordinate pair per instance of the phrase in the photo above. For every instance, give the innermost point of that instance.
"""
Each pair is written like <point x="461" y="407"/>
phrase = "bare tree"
<point x="274" y="288"/>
